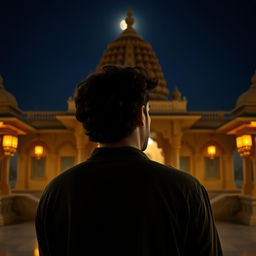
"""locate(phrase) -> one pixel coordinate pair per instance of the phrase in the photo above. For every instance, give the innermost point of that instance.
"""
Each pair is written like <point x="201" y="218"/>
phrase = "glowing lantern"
<point x="10" y="144"/>
<point x="211" y="151"/>
<point x="38" y="151"/>
<point x="244" y="144"/>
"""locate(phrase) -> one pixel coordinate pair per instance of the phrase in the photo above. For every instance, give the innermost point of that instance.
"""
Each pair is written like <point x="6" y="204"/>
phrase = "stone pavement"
<point x="20" y="240"/>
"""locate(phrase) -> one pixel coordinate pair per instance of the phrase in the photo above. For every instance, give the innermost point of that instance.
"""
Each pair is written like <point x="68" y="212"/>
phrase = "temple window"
<point x="186" y="157"/>
<point x="37" y="167"/>
<point x="185" y="163"/>
<point x="66" y="157"/>
<point x="66" y="162"/>
<point x="212" y="167"/>
<point x="13" y="170"/>
<point x="238" y="169"/>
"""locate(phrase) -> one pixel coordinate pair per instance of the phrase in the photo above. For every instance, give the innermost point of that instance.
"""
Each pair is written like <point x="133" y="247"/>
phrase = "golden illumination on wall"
<point x="253" y="124"/>
<point x="36" y="252"/>
<point x="211" y="151"/>
<point x="10" y="144"/>
<point x="244" y="144"/>
<point x="38" y="151"/>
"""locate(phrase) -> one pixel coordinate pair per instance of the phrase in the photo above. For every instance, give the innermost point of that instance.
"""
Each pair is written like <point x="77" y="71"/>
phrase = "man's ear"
<point x="140" y="116"/>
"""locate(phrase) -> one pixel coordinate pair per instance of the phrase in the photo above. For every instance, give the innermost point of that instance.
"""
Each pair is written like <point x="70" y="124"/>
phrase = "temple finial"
<point x="129" y="19"/>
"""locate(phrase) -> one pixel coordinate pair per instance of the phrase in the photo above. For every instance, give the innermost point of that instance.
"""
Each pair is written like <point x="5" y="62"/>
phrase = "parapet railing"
<point x="213" y="115"/>
<point x="42" y="115"/>
<point x="206" y="115"/>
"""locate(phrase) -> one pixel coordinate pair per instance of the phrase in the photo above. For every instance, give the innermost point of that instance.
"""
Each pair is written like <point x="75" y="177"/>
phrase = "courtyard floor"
<point x="20" y="240"/>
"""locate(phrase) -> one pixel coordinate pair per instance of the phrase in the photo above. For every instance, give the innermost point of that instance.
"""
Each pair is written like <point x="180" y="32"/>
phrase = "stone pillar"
<point x="254" y="176"/>
<point x="176" y="143"/>
<point x="176" y="157"/>
<point x="247" y="188"/>
<point x="4" y="183"/>
<point x="81" y="143"/>
<point x="80" y="150"/>
<point x="167" y="153"/>
<point x="165" y="145"/>
<point x="198" y="166"/>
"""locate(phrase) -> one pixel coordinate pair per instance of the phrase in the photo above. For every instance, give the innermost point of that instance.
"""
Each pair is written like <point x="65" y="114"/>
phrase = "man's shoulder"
<point x="172" y="182"/>
<point x="64" y="178"/>
<point x="153" y="172"/>
<point x="172" y="172"/>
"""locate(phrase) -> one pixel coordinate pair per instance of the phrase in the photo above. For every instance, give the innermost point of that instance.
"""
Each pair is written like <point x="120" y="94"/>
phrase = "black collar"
<point x="120" y="152"/>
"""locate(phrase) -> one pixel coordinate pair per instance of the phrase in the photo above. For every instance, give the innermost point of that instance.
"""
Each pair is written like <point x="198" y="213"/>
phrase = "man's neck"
<point x="130" y="141"/>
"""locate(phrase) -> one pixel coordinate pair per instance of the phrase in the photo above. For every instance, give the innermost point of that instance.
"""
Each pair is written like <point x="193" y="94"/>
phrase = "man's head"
<point x="109" y="103"/>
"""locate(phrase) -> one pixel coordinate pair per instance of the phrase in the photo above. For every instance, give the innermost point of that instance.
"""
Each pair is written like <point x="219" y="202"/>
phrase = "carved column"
<point x="4" y="183"/>
<point x="176" y="143"/>
<point x="254" y="176"/>
<point x="247" y="188"/>
<point x="165" y="145"/>
<point x="22" y="171"/>
<point x="80" y="146"/>
<point x="81" y="143"/>
<point x="199" y="171"/>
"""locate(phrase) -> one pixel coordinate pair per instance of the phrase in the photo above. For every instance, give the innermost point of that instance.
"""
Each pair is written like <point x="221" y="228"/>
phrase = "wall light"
<point x="38" y="151"/>
<point x="211" y="151"/>
<point x="10" y="144"/>
<point x="244" y="144"/>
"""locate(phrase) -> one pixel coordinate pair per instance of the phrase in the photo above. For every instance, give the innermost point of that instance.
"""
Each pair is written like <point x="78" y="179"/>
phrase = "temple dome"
<point x="6" y="98"/>
<point x="248" y="98"/>
<point x="129" y="49"/>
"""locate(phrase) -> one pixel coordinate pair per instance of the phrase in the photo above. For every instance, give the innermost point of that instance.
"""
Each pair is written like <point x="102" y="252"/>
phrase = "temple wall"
<point x="56" y="145"/>
<point x="194" y="146"/>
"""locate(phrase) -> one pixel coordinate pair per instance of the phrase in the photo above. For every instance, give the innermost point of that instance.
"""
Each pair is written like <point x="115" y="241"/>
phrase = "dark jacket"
<point x="119" y="202"/>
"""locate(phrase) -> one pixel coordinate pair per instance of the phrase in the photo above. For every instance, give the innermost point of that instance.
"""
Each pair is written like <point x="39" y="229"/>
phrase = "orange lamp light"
<point x="244" y="144"/>
<point x="38" y="151"/>
<point x="10" y="144"/>
<point x="211" y="151"/>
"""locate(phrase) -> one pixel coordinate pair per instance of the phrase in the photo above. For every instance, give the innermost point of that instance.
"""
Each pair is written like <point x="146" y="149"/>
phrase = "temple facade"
<point x="218" y="147"/>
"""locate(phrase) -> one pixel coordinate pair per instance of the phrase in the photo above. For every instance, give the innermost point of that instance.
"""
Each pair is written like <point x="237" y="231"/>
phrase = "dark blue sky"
<point x="206" y="48"/>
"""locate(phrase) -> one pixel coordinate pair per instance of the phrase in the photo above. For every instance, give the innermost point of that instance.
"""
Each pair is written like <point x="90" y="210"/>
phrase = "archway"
<point x="154" y="152"/>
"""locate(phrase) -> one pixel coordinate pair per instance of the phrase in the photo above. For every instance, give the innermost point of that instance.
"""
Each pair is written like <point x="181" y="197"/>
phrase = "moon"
<point x="123" y="25"/>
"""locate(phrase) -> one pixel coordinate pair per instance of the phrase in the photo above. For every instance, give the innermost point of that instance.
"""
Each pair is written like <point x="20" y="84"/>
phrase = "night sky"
<point x="206" y="48"/>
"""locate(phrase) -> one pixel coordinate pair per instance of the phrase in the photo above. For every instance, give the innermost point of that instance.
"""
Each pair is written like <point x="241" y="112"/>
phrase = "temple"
<point x="217" y="147"/>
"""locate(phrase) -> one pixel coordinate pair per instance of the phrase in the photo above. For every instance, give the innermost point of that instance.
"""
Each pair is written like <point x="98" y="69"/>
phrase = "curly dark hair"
<point x="108" y="101"/>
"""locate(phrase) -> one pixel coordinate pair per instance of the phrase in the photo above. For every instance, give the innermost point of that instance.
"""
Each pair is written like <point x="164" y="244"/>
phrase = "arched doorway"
<point x="154" y="152"/>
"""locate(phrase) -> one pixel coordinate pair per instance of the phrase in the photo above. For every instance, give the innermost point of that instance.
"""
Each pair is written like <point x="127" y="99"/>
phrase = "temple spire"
<point x="129" y="19"/>
<point x="129" y="49"/>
